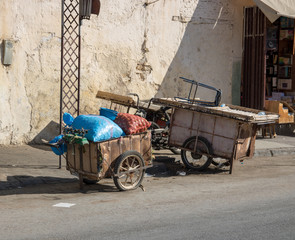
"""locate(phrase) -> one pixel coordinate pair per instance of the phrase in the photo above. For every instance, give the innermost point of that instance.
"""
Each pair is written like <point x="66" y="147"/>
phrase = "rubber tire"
<point x="121" y="158"/>
<point x="209" y="148"/>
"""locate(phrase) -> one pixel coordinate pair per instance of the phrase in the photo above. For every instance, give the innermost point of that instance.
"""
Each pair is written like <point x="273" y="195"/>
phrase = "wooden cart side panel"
<point x="106" y="158"/>
<point x="112" y="149"/>
<point x="125" y="144"/>
<point x="146" y="148"/>
<point x="246" y="141"/>
<point x="86" y="158"/>
<point x="94" y="157"/>
<point x="221" y="132"/>
<point x="253" y="139"/>
<point x="77" y="156"/>
<point x="206" y="123"/>
<point x="135" y="143"/>
<point x="70" y="157"/>
<point x="225" y="135"/>
<point x="183" y="118"/>
<point x="181" y="127"/>
<point x="226" y="127"/>
<point x="223" y="147"/>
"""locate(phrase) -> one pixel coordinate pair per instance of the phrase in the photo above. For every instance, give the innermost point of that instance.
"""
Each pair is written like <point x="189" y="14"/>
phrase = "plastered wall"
<point x="140" y="46"/>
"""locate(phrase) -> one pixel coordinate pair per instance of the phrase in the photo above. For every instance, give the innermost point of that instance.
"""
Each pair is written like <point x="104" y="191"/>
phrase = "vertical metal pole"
<point x="61" y="74"/>
<point x="79" y="64"/>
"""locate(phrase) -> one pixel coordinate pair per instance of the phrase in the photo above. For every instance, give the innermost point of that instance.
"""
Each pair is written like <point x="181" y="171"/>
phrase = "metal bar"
<point x="190" y="91"/>
<point x="195" y="92"/>
<point x="79" y="67"/>
<point x="61" y="74"/>
<point x="199" y="84"/>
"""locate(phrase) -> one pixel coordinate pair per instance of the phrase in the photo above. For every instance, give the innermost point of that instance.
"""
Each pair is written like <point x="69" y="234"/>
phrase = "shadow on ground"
<point x="164" y="166"/>
<point x="167" y="166"/>
<point x="23" y="184"/>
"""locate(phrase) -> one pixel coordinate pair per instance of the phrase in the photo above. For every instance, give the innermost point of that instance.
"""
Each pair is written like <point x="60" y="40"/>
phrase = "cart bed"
<point x="96" y="160"/>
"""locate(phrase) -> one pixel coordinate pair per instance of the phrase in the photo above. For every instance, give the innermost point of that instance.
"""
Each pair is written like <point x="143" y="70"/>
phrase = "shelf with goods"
<point x="271" y="59"/>
<point x="280" y="70"/>
<point x="286" y="54"/>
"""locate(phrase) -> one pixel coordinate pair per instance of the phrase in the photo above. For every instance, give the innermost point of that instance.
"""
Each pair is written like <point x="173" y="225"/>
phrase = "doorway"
<point x="253" y="67"/>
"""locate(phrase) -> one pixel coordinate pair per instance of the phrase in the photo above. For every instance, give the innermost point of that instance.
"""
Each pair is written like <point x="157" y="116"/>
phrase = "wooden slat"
<point x="94" y="157"/>
<point x="77" y="156"/>
<point x="86" y="158"/>
<point x="116" y="98"/>
<point x="238" y="113"/>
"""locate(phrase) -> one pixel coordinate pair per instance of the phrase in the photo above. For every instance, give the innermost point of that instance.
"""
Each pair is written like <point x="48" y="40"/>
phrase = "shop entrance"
<point x="268" y="60"/>
<point x="253" y="68"/>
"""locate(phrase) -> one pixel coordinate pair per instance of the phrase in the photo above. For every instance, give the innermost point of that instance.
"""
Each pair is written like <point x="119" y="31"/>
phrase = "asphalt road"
<point x="256" y="202"/>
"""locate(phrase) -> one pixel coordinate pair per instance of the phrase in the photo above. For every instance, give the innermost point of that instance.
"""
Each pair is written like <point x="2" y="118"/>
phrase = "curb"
<point x="274" y="152"/>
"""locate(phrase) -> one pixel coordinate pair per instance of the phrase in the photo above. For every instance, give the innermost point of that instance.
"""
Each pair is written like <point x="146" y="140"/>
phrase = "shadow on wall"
<point x="48" y="133"/>
<point x="1" y="51"/>
<point x="204" y="53"/>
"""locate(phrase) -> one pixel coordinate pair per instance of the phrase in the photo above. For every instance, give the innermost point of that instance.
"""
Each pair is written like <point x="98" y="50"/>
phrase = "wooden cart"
<point x="124" y="159"/>
<point x="208" y="133"/>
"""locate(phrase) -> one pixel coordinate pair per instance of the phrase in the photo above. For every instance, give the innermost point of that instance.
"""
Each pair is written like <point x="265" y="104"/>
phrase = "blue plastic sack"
<point x="99" y="128"/>
<point x="109" y="113"/>
<point x="62" y="147"/>
<point x="68" y="119"/>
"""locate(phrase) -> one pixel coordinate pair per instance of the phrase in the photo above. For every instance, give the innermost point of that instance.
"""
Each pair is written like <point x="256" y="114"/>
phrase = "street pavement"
<point x="29" y="165"/>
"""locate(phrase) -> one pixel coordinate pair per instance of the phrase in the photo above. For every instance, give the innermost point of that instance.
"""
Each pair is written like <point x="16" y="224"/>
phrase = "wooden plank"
<point x="70" y="156"/>
<point x="86" y="158"/>
<point x="106" y="158"/>
<point x="93" y="157"/>
<point x="146" y="148"/>
<point x="226" y="127"/>
<point x="237" y="113"/>
<point x="244" y="141"/>
<point x="282" y="108"/>
<point x="116" y="98"/>
<point x="223" y="147"/>
<point x="77" y="156"/>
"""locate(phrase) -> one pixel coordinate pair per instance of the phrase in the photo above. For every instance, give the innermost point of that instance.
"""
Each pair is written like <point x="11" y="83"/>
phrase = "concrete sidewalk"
<point x="280" y="145"/>
<point x="27" y="165"/>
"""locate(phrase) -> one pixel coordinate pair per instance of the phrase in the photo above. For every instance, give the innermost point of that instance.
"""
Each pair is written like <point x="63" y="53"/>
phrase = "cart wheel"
<point x="128" y="170"/>
<point x="196" y="160"/>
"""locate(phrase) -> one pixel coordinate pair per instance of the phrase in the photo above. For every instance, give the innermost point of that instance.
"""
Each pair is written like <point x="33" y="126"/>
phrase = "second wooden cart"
<point x="208" y="133"/>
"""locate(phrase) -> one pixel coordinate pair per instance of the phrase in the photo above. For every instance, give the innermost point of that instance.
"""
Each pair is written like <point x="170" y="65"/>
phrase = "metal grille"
<point x="253" y="77"/>
<point x="70" y="59"/>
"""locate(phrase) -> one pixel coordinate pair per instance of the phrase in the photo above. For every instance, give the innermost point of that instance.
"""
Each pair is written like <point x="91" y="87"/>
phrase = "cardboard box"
<point x="285" y="84"/>
<point x="277" y="95"/>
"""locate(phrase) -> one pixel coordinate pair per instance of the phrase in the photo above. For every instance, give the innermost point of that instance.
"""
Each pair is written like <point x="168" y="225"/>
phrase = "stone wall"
<point x="140" y="46"/>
